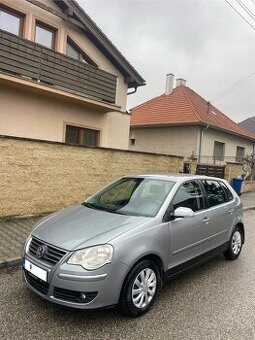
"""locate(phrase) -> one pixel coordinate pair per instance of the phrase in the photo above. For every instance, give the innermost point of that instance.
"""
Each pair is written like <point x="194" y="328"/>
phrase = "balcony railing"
<point x="21" y="57"/>
<point x="225" y="159"/>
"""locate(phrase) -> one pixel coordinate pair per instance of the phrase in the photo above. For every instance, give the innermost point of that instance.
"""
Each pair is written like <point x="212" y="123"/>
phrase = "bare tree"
<point x="249" y="167"/>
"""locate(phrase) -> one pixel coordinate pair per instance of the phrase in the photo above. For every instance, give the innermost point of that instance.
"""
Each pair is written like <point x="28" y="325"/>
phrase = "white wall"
<point x="40" y="116"/>
<point x="231" y="143"/>
<point x="174" y="140"/>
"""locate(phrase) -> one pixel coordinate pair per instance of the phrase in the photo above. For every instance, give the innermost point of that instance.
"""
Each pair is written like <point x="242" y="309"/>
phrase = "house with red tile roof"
<point x="181" y="122"/>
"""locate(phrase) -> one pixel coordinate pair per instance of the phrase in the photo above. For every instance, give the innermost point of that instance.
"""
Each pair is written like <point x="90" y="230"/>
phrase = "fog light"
<point x="82" y="297"/>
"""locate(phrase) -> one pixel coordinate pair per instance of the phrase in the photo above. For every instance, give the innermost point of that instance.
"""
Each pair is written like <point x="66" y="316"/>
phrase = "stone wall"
<point x="38" y="177"/>
<point x="233" y="170"/>
<point x="248" y="186"/>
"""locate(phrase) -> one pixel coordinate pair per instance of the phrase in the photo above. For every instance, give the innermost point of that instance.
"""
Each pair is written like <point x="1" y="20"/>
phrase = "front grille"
<point x="73" y="296"/>
<point x="36" y="283"/>
<point x="51" y="256"/>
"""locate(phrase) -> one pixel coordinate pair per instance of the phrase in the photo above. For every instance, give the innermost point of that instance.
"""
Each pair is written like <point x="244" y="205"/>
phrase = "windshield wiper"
<point x="101" y="207"/>
<point x="90" y="205"/>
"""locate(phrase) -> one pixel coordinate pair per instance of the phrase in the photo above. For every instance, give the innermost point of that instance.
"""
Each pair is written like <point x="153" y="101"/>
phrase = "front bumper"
<point x="73" y="286"/>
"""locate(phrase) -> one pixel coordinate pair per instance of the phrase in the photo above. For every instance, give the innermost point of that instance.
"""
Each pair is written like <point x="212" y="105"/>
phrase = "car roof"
<point x="175" y="177"/>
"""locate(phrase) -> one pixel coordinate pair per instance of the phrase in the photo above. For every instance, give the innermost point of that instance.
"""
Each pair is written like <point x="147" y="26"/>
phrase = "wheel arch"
<point x="241" y="226"/>
<point x="152" y="257"/>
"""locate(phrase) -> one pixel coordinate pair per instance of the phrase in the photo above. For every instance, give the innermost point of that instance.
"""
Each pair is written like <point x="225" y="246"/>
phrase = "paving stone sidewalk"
<point x="14" y="232"/>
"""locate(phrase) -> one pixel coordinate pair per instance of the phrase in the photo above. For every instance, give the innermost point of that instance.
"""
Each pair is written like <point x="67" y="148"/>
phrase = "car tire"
<point x="140" y="288"/>
<point x="235" y="244"/>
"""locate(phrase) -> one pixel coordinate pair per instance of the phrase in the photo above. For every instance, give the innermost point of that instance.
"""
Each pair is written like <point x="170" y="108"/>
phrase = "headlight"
<point x="92" y="258"/>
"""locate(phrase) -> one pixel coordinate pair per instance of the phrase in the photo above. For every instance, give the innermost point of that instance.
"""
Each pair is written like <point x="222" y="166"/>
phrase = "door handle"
<point x="206" y="219"/>
<point x="231" y="211"/>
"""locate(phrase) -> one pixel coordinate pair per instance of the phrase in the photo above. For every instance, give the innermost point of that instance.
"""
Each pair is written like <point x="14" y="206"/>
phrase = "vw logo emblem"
<point x="40" y="251"/>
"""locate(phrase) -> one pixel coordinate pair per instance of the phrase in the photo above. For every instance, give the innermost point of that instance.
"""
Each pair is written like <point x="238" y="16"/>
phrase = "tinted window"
<point x="189" y="196"/>
<point x="215" y="193"/>
<point x="229" y="195"/>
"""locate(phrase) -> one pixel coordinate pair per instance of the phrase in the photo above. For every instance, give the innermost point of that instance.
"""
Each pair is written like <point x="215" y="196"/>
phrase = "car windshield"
<point x="132" y="196"/>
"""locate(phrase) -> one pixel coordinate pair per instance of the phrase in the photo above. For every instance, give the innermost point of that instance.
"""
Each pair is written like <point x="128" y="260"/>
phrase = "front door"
<point x="190" y="235"/>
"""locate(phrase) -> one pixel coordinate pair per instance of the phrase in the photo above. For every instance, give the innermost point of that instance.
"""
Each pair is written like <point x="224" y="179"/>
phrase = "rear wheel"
<point x="235" y="244"/>
<point x="140" y="288"/>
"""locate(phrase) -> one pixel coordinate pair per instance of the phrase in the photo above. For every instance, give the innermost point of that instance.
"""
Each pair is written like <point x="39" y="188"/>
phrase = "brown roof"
<point x="183" y="106"/>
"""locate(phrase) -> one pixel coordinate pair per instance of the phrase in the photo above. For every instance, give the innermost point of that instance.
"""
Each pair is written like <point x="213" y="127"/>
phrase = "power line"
<point x="233" y="87"/>
<point x="246" y="9"/>
<point x="243" y="80"/>
<point x="253" y="27"/>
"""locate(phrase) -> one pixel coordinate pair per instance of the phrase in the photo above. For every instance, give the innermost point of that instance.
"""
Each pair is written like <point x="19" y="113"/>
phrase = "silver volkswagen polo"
<point x="121" y="244"/>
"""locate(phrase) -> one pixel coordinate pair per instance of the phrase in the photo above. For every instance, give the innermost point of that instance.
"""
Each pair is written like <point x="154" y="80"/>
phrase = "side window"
<point x="229" y="195"/>
<point x="215" y="193"/>
<point x="190" y="196"/>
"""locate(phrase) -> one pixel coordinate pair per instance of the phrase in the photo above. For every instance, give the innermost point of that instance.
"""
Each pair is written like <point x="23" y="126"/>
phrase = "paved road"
<point x="214" y="301"/>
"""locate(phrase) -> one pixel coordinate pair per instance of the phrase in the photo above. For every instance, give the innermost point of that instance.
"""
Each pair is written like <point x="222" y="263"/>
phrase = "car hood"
<point x="79" y="226"/>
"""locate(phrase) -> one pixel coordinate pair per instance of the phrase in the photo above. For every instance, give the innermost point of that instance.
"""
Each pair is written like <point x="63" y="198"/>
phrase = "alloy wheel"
<point x="236" y="242"/>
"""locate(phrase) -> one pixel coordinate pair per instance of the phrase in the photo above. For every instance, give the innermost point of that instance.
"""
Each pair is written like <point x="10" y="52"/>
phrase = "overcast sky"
<point x="203" y="41"/>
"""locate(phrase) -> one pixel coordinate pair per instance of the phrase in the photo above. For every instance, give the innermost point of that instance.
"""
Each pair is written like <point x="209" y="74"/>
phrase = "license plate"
<point x="35" y="270"/>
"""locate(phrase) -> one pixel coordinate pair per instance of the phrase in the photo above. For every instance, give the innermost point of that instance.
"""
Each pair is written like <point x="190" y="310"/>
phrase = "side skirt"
<point x="186" y="266"/>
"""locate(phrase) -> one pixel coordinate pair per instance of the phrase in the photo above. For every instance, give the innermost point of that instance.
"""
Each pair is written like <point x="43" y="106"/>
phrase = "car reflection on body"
<point x="119" y="246"/>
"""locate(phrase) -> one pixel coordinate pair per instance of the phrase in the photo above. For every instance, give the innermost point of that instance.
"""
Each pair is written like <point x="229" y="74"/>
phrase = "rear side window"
<point x="190" y="196"/>
<point x="229" y="195"/>
<point x="215" y="193"/>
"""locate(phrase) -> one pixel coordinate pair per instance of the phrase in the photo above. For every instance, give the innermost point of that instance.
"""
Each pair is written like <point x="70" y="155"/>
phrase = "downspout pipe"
<point x="131" y="92"/>
<point x="201" y="140"/>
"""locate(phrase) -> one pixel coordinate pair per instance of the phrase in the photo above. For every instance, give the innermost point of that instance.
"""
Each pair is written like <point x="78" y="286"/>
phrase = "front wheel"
<point x="235" y="245"/>
<point x="140" y="288"/>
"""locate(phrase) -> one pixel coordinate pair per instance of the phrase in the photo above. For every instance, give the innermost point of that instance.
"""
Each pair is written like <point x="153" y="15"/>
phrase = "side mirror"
<point x="183" y="212"/>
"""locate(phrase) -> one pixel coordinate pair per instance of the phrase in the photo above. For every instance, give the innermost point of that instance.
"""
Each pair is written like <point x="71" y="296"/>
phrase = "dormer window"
<point x="11" y="21"/>
<point x="45" y="35"/>
<point x="75" y="52"/>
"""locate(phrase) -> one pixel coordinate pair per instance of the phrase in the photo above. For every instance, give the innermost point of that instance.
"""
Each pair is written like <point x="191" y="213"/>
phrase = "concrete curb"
<point x="248" y="208"/>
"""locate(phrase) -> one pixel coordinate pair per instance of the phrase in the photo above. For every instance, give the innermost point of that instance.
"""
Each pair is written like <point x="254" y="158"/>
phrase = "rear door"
<point x="221" y="205"/>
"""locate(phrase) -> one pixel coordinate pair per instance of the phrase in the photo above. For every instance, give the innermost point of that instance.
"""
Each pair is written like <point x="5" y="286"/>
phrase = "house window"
<point x="44" y="35"/>
<point x="219" y="151"/>
<point x="73" y="51"/>
<point x="11" y="22"/>
<point x="81" y="136"/>
<point x="240" y="151"/>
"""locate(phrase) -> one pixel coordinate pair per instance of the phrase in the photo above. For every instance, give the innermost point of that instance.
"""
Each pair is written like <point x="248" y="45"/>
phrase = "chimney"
<point x="180" y="81"/>
<point x="169" y="83"/>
